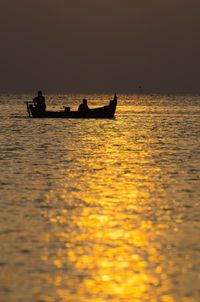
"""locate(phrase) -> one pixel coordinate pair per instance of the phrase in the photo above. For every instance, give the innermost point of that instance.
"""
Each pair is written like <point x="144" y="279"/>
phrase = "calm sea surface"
<point x="101" y="210"/>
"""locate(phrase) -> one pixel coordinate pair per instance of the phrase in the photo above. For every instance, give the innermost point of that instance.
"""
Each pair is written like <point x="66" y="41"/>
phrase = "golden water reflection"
<point x="106" y="229"/>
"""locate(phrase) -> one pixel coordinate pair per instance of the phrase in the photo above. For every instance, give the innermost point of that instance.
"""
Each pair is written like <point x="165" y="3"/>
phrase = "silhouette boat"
<point x="105" y="112"/>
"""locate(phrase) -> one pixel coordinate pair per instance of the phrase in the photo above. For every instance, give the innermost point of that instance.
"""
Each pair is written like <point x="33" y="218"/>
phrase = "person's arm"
<point x="35" y="101"/>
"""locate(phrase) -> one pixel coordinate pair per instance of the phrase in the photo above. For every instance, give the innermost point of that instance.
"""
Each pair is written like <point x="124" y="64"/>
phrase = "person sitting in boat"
<point x="84" y="106"/>
<point x="39" y="102"/>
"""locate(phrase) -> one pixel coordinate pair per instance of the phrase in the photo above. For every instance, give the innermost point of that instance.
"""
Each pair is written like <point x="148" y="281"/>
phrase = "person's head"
<point x="39" y="93"/>
<point x="84" y="102"/>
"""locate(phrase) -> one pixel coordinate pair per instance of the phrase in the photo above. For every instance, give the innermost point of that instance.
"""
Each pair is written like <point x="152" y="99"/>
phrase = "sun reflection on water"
<point x="106" y="234"/>
<point x="101" y="210"/>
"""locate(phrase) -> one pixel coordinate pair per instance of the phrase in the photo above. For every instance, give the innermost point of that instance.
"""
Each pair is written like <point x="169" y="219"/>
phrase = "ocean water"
<point x="101" y="210"/>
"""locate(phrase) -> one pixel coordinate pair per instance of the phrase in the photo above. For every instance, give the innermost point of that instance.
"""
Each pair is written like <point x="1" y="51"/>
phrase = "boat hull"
<point x="106" y="112"/>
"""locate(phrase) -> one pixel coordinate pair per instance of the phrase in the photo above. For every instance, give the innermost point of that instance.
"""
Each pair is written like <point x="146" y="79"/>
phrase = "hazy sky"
<point x="100" y="45"/>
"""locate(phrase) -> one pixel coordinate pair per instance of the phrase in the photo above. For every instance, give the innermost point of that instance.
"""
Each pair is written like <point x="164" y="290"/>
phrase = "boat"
<point x="105" y="112"/>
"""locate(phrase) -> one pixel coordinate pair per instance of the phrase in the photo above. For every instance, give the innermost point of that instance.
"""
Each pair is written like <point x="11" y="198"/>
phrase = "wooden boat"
<point x="105" y="112"/>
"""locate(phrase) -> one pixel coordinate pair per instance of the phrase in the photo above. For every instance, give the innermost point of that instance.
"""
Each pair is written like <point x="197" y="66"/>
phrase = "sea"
<point x="101" y="210"/>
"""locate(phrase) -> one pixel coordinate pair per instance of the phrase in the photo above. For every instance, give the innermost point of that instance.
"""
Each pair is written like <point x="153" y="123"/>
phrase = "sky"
<point x="67" y="46"/>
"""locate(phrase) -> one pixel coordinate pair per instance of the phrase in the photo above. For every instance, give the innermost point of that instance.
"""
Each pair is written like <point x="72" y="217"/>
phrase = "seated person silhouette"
<point x="83" y="107"/>
<point x="39" y="102"/>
